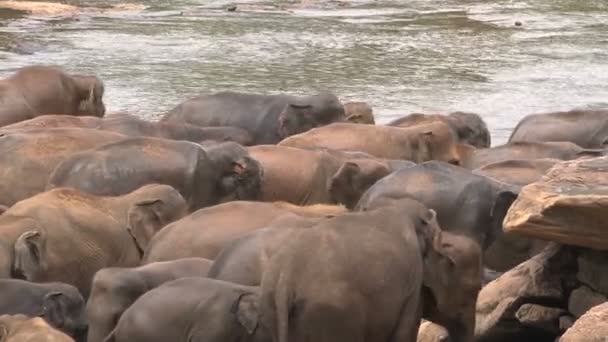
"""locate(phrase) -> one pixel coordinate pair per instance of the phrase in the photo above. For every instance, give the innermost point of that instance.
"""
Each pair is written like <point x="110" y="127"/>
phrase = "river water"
<point x="399" y="56"/>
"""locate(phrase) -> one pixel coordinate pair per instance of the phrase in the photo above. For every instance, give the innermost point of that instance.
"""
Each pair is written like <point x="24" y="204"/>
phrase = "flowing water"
<point x="400" y="56"/>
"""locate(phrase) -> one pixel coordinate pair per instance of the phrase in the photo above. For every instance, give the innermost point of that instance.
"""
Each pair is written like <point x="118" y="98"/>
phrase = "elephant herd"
<point x="255" y="218"/>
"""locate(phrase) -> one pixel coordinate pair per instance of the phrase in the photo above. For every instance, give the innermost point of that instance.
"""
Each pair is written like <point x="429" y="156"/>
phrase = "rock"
<point x="501" y="311"/>
<point x="591" y="327"/>
<point x="541" y="317"/>
<point x="431" y="332"/>
<point x="39" y="7"/>
<point x="568" y="205"/>
<point x="359" y="112"/>
<point x="592" y="270"/>
<point x="583" y="299"/>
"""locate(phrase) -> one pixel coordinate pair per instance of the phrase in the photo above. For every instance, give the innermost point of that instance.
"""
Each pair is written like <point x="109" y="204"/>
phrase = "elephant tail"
<point x="282" y="307"/>
<point x="111" y="337"/>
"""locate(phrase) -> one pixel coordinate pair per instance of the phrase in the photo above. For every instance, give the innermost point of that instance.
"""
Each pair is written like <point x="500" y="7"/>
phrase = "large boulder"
<point x="527" y="302"/>
<point x="592" y="270"/>
<point x="591" y="327"/>
<point x="582" y="299"/>
<point x="568" y="205"/>
<point x="432" y="332"/>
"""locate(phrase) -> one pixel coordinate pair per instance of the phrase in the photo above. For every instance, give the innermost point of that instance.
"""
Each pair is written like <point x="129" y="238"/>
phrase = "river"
<point x="399" y="56"/>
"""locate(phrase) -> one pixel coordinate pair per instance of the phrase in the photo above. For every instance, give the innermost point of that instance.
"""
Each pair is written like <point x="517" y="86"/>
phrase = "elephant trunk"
<point x="5" y="262"/>
<point x="460" y="323"/>
<point x="460" y="330"/>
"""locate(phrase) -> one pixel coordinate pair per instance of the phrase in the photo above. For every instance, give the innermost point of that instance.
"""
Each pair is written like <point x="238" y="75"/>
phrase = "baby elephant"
<point x="116" y="288"/>
<point x="20" y="328"/>
<point x="61" y="305"/>
<point x="193" y="310"/>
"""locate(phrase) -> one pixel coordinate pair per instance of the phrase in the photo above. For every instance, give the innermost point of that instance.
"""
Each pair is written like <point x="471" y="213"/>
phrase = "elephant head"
<point x="451" y="281"/>
<point x="152" y="207"/>
<point x="64" y="310"/>
<point x="359" y="112"/>
<point x="437" y="141"/>
<point x="90" y="95"/>
<point x="242" y="180"/>
<point x="471" y="129"/>
<point x="303" y="114"/>
<point x="246" y="314"/>
<point x="240" y="176"/>
<point x="349" y="183"/>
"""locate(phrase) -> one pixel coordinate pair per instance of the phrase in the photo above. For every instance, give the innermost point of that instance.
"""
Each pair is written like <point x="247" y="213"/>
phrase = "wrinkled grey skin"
<point x="38" y="90"/>
<point x="244" y="260"/>
<point x="29" y="157"/>
<point x="61" y="305"/>
<point x="115" y="289"/>
<point x="403" y="253"/>
<point x="268" y="118"/>
<point x="207" y="231"/>
<point x="133" y="126"/>
<point x="465" y="203"/>
<point x="586" y="128"/>
<point x="517" y="172"/>
<point x="562" y="150"/>
<point x="66" y="235"/>
<point x="204" y="177"/>
<point x="193" y="310"/>
<point x="470" y="127"/>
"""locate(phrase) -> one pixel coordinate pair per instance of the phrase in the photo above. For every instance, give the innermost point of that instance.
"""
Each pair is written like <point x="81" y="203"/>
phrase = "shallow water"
<point x="400" y="56"/>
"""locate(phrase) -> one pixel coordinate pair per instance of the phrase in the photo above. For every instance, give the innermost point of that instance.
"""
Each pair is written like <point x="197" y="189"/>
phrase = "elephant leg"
<point x="409" y="321"/>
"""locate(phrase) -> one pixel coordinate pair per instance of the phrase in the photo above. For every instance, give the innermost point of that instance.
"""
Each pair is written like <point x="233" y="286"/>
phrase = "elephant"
<point x="268" y="118"/>
<point x="204" y="177"/>
<point x="61" y="305"/>
<point x="193" y="310"/>
<point x="469" y="127"/>
<point x="586" y="128"/>
<point x="517" y="172"/>
<point x="28" y="158"/>
<point x="465" y="203"/>
<point x="132" y="126"/>
<point x="562" y="150"/>
<point x="38" y="89"/>
<point x="359" y="112"/>
<point x="372" y="276"/>
<point x="355" y="177"/>
<point x="435" y="141"/>
<point x="244" y="260"/>
<point x="21" y="328"/>
<point x="207" y="231"/>
<point x="64" y="235"/>
<point x="114" y="289"/>
<point x="310" y="176"/>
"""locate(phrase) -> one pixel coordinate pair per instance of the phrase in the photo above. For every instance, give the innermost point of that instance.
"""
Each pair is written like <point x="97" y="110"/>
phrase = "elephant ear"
<point x="144" y="221"/>
<point x="499" y="211"/>
<point x="428" y="231"/>
<point x="425" y="142"/>
<point x="3" y="333"/>
<point x="29" y="255"/>
<point x="246" y="310"/>
<point x="54" y="309"/>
